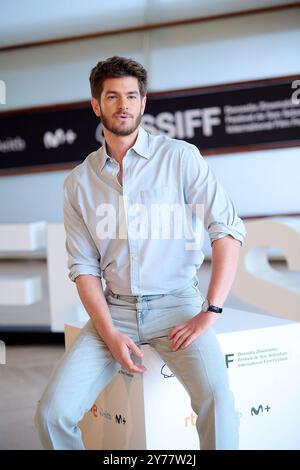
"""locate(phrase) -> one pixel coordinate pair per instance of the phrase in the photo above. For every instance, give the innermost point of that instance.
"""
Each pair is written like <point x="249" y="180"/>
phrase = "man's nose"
<point x="122" y="104"/>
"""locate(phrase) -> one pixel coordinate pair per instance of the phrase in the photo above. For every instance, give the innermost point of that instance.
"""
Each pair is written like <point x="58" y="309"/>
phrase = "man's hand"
<point x="185" y="333"/>
<point x="92" y="296"/>
<point x="120" y="346"/>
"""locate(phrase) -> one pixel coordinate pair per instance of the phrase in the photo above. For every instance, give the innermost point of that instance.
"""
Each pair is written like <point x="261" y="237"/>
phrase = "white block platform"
<point x="23" y="237"/>
<point x="15" y="290"/>
<point x="152" y="411"/>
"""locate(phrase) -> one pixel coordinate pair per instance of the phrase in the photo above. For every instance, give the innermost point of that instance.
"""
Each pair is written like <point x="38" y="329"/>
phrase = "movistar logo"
<point x="59" y="137"/>
<point x="259" y="409"/>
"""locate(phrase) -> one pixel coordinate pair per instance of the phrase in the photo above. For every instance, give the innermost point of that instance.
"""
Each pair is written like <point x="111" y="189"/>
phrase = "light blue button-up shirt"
<point x="99" y="217"/>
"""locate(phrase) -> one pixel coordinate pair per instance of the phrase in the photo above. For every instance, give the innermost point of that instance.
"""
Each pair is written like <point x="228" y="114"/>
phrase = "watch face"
<point x="205" y="305"/>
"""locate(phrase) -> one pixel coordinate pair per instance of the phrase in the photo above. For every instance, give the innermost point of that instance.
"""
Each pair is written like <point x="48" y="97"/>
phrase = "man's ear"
<point x="143" y="104"/>
<point x="96" y="107"/>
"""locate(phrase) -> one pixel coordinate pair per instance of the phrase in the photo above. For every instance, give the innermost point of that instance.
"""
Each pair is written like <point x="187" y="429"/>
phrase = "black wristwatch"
<point x="207" y="307"/>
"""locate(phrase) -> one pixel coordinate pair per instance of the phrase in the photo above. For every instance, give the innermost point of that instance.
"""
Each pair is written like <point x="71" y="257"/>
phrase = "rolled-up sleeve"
<point x="202" y="187"/>
<point x="83" y="255"/>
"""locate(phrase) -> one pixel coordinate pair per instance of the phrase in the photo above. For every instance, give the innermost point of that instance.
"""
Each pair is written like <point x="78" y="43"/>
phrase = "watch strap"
<point x="208" y="307"/>
<point x="213" y="308"/>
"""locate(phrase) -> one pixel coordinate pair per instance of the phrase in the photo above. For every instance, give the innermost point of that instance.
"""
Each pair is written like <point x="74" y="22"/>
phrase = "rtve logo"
<point x="2" y="92"/>
<point x="190" y="420"/>
<point x="59" y="137"/>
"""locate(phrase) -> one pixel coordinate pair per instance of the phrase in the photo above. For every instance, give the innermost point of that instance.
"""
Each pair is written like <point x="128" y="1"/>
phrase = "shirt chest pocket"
<point x="163" y="211"/>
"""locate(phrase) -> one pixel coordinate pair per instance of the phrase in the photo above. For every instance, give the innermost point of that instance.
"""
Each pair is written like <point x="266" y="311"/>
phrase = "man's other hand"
<point x="184" y="334"/>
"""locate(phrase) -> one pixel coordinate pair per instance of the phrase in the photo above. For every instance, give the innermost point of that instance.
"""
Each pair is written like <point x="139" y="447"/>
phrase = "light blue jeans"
<point x="84" y="371"/>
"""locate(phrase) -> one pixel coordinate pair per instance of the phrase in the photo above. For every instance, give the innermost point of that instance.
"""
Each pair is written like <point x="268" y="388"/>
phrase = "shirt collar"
<point x="141" y="147"/>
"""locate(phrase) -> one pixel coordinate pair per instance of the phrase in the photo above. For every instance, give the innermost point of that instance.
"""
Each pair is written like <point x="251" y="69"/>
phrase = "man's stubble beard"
<point x="117" y="130"/>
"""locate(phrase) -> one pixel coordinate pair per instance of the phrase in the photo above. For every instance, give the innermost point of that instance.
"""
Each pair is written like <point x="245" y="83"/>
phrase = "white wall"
<point x="236" y="49"/>
<point x="37" y="196"/>
<point x="25" y="21"/>
<point x="263" y="182"/>
<point x="242" y="48"/>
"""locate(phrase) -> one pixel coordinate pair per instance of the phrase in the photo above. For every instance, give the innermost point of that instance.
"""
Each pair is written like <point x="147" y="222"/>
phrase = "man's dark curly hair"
<point x="115" y="67"/>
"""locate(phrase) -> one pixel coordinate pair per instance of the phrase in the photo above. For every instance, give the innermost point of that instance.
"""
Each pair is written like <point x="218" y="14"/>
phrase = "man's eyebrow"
<point x="134" y="92"/>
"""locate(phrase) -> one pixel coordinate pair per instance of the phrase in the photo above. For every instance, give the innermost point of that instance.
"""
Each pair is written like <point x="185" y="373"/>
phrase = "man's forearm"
<point x="92" y="296"/>
<point x="225" y="254"/>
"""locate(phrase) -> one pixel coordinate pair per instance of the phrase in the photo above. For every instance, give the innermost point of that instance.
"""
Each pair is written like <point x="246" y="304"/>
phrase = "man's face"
<point x="121" y="106"/>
